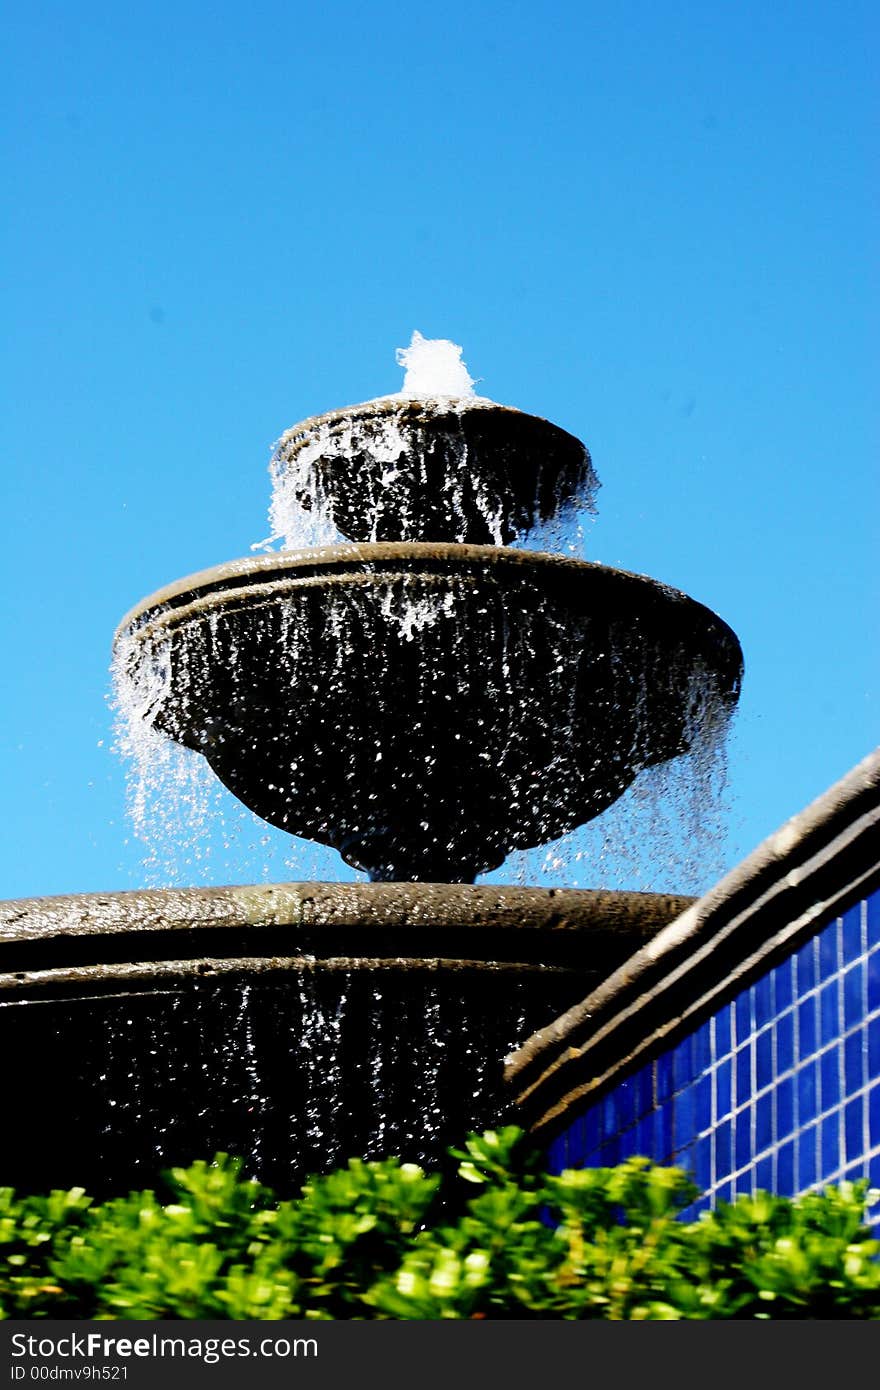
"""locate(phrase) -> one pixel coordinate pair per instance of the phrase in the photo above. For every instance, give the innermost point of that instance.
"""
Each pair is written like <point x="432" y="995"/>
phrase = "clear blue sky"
<point x="653" y="223"/>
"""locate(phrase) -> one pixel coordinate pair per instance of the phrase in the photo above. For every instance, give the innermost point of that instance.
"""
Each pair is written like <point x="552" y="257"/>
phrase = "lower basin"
<point x="291" y="1024"/>
<point x="427" y="708"/>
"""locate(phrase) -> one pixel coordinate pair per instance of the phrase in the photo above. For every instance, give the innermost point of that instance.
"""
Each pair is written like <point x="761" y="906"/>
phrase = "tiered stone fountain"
<point x="425" y="700"/>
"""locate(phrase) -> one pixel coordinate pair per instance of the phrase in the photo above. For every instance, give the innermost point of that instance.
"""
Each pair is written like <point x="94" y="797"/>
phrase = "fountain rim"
<point x="419" y="407"/>
<point x="161" y="938"/>
<point x="251" y="576"/>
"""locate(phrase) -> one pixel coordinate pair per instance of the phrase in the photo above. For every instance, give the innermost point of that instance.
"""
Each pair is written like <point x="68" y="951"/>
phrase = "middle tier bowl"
<point x="427" y="708"/>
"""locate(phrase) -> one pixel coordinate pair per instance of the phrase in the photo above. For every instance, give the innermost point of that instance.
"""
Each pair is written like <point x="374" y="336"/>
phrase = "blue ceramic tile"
<point x="853" y="995"/>
<point x="573" y="1152"/>
<point x="624" y="1123"/>
<point x="722" y="1032"/>
<point x="874" y="1115"/>
<point x="703" y="1163"/>
<point x="806" y="968"/>
<point x="763" y="998"/>
<point x="725" y="1192"/>
<point x="744" y="1183"/>
<point x="576" y="1148"/>
<point x="609" y="1125"/>
<point x="557" y="1156"/>
<point x="609" y="1153"/>
<point x="830" y="1144"/>
<point x="743" y="1014"/>
<point x="702" y="1048"/>
<point x="807" y="1032"/>
<point x="591" y="1130"/>
<point x="723" y="1148"/>
<point x="684" y="1120"/>
<point x="829" y="1078"/>
<point x="628" y="1143"/>
<point x="783" y="985"/>
<point x="644" y="1084"/>
<point x="872" y="905"/>
<point x="873" y="968"/>
<point x="873" y="1176"/>
<point x="764" y="1122"/>
<point x="805" y="1082"/>
<point x="828" y="948"/>
<point x="829" y="1011"/>
<point x="785" y="1042"/>
<point x="785" y="1185"/>
<point x="723" y="1077"/>
<point x="742" y="1146"/>
<point x="784" y="1099"/>
<point x="854" y="1129"/>
<point x="703" y="1103"/>
<point x="663" y="1074"/>
<point x="764" y="1175"/>
<point x="874" y="1046"/>
<point x="663" y="1133"/>
<point x="852" y="932"/>
<point x="743" y="1075"/>
<point x="855" y="1171"/>
<point x="806" y="1157"/>
<point x="583" y="1139"/>
<point x="645" y="1136"/>
<point x="764" y="1058"/>
<point x="684" y="1160"/>
<point x="625" y="1104"/>
<point x="682" y="1066"/>
<point x="855" y="1060"/>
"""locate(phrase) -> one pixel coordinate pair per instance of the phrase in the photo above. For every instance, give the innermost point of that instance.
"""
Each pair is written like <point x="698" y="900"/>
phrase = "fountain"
<point x="424" y="699"/>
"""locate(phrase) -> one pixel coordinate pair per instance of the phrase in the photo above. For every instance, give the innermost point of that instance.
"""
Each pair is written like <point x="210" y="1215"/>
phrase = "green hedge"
<point x="498" y="1238"/>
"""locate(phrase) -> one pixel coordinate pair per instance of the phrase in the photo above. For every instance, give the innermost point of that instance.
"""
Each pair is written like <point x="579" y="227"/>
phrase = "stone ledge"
<point x="99" y="940"/>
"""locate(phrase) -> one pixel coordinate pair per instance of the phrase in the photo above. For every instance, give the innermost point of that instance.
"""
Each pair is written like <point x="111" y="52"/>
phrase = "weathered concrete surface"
<point x="326" y="904"/>
<point x="100" y="940"/>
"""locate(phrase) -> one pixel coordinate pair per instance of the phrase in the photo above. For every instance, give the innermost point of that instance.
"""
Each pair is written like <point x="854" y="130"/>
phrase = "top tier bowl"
<point x="445" y="469"/>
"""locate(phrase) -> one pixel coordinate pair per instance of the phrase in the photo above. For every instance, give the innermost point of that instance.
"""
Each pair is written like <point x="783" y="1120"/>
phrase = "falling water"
<point x="188" y="829"/>
<point x="666" y="833"/>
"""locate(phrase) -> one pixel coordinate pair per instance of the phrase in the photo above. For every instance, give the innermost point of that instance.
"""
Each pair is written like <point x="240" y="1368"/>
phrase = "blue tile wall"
<point x="780" y="1090"/>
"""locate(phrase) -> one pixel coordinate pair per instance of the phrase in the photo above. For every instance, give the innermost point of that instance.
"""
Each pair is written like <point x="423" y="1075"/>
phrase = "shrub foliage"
<point x="498" y="1238"/>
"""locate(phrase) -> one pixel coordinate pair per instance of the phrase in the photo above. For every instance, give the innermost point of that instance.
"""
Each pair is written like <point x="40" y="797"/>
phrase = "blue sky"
<point x="652" y="223"/>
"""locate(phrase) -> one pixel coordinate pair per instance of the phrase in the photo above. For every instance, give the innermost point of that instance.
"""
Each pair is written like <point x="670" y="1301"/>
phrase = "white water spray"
<point x="434" y="367"/>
